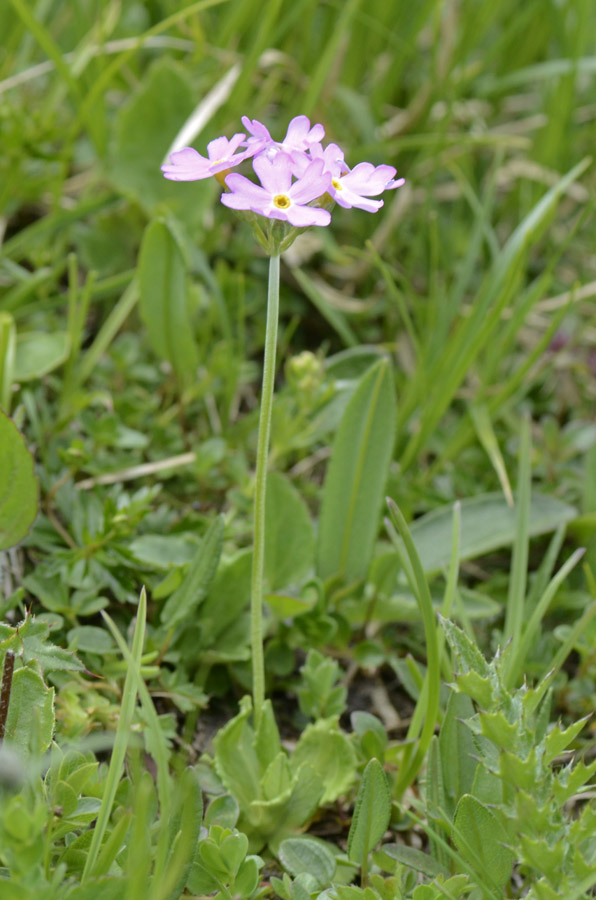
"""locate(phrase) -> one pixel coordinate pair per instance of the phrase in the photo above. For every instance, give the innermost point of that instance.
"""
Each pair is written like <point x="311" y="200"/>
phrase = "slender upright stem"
<point x="256" y="612"/>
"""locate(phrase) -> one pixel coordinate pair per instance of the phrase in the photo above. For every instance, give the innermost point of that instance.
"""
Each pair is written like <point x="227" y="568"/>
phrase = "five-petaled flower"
<point x="188" y="165"/>
<point x="298" y="176"/>
<point x="278" y="198"/>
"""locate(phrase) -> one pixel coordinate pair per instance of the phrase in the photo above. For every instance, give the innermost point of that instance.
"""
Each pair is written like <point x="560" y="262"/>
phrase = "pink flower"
<point x="277" y="197"/>
<point x="354" y="187"/>
<point x="293" y="173"/>
<point x="364" y="181"/>
<point x="188" y="165"/>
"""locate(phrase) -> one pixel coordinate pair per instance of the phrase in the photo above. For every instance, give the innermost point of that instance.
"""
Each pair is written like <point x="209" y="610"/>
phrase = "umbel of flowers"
<point x="299" y="182"/>
<point x="299" y="179"/>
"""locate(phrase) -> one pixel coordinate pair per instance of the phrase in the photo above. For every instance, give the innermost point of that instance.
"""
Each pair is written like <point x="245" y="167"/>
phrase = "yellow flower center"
<point x="336" y="184"/>
<point x="282" y="201"/>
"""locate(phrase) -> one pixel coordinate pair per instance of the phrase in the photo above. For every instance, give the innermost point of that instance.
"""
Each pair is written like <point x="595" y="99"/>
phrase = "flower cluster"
<point x="293" y="173"/>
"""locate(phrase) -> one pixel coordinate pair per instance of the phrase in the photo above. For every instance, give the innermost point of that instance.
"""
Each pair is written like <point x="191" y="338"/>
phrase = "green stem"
<point x="256" y="610"/>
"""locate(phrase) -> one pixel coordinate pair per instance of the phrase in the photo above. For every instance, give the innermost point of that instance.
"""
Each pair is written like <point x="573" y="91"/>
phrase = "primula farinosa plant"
<point x="299" y="182"/>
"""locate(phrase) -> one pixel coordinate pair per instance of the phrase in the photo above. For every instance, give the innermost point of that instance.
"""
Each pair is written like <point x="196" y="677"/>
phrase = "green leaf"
<point x="456" y="750"/>
<point x="486" y="433"/>
<point x="502" y="733"/>
<point x="304" y="854"/>
<point x="356" y="478"/>
<point x="487" y="523"/>
<point x="92" y="639"/>
<point x="435" y="802"/>
<point x="18" y="486"/>
<point x="39" y="352"/>
<point x="228" y="597"/>
<point x="163" y="551"/>
<point x="233" y="850"/>
<point x="277" y="778"/>
<point x="200" y="881"/>
<point x="210" y="856"/>
<point x="8" y="341"/>
<point x="285" y="607"/>
<point x="30" y="638"/>
<point x="144" y="130"/>
<point x="247" y="879"/>
<point x="66" y="798"/>
<point x="108" y="887"/>
<point x="236" y="760"/>
<point x="413" y="859"/>
<point x="267" y="743"/>
<point x="182" y="851"/>
<point x="558" y="740"/>
<point x="467" y="652"/>
<point x="455" y="887"/>
<point x="222" y="810"/>
<point x="163" y="301"/>
<point x="294" y="811"/>
<point x="331" y="753"/>
<point x="480" y="838"/>
<point x="319" y="696"/>
<point x="289" y="536"/>
<point x="193" y="590"/>
<point x="30" y="719"/>
<point x="371" y="813"/>
<point x="371" y="732"/>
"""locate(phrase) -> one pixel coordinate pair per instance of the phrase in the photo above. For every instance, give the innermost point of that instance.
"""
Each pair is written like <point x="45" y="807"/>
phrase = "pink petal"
<point x="300" y="162"/>
<point x="367" y="179"/>
<point x="275" y="174"/>
<point x="333" y="157"/>
<point x="397" y="182"/>
<point x="235" y="141"/>
<point x="218" y="149"/>
<point x="316" y="133"/>
<point x="297" y="131"/>
<point x="300" y="135"/>
<point x="244" y="187"/>
<point x="186" y="165"/>
<point x="302" y="216"/>
<point x="350" y="199"/>
<point x="314" y="183"/>
<point x="235" y="201"/>
<point x="257" y="129"/>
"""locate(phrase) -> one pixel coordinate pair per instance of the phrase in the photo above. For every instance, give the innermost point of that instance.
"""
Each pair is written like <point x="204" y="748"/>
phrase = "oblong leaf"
<point x="193" y="589"/>
<point x="289" y="537"/>
<point x="30" y="712"/>
<point x="481" y="839"/>
<point x="487" y="523"/>
<point x="414" y="859"/>
<point x="371" y="813"/>
<point x="304" y="854"/>
<point x="356" y="478"/>
<point x="163" y="301"/>
<point x="39" y="352"/>
<point x="18" y="486"/>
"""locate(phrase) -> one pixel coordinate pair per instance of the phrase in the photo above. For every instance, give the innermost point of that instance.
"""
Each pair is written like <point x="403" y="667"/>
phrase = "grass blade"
<point x="121" y="739"/>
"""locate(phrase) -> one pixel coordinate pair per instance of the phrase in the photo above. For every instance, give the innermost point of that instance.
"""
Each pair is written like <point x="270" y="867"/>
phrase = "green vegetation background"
<point x="132" y="313"/>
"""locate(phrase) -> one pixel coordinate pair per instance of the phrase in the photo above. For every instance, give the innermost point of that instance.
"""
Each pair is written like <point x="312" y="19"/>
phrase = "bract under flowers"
<point x="297" y="175"/>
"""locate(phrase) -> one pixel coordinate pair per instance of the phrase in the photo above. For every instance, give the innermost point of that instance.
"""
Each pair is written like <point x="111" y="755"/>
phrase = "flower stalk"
<point x="258" y="564"/>
<point x="300" y="181"/>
